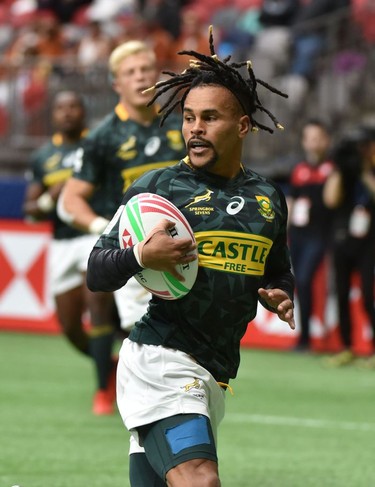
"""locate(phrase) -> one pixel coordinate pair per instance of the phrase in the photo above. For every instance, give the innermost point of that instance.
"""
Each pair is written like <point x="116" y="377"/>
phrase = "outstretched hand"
<point x="161" y="252"/>
<point x="281" y="302"/>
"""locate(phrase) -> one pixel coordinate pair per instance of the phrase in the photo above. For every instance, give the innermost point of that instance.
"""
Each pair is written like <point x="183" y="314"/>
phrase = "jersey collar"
<point x="123" y="114"/>
<point x="57" y="137"/>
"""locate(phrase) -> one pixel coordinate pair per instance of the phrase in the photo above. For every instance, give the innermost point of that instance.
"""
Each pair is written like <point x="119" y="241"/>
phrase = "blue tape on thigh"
<point x="191" y="433"/>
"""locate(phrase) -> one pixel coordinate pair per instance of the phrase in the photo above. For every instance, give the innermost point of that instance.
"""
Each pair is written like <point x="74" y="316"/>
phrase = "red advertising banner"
<point x="25" y="301"/>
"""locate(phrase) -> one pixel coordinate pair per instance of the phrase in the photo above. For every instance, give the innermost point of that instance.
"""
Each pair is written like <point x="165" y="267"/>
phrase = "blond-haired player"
<point x="126" y="144"/>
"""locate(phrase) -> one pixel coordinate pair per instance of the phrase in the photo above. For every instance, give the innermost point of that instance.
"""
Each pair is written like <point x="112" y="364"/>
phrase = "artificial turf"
<point x="291" y="422"/>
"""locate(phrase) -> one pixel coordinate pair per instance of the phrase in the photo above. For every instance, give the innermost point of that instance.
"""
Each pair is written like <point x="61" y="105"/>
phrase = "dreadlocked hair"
<point x="210" y="70"/>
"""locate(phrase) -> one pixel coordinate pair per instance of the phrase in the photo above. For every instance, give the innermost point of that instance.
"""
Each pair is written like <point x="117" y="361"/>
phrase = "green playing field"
<point x="290" y="423"/>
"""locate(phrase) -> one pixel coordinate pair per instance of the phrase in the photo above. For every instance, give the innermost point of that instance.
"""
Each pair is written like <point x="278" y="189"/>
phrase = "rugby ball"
<point x="141" y="213"/>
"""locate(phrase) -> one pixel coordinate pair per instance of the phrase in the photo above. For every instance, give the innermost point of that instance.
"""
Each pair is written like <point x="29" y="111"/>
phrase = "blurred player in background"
<point x="176" y="364"/>
<point x="127" y="143"/>
<point x="51" y="166"/>
<point x="309" y="219"/>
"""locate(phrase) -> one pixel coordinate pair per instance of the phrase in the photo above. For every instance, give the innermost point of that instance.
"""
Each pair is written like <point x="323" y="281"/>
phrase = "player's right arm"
<point x="73" y="207"/>
<point x="30" y="205"/>
<point x="109" y="268"/>
<point x="40" y="201"/>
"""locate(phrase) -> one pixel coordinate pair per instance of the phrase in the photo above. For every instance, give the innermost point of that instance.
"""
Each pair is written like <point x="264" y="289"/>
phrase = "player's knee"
<point x="206" y="474"/>
<point x="72" y="335"/>
<point x="194" y="473"/>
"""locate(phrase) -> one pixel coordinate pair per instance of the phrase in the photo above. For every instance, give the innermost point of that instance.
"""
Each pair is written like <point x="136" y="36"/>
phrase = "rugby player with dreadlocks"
<point x="176" y="364"/>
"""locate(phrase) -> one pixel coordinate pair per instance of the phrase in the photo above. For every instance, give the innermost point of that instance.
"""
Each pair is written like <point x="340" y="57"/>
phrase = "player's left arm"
<point x="276" y="292"/>
<point x="279" y="301"/>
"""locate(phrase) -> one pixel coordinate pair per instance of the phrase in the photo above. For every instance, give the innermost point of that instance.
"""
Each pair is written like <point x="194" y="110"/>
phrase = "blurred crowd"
<point x="282" y="37"/>
<point x="283" y="31"/>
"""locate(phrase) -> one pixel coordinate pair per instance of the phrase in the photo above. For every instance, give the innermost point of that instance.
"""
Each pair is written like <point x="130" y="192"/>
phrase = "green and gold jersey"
<point x="240" y="228"/>
<point x="53" y="164"/>
<point x="119" y="150"/>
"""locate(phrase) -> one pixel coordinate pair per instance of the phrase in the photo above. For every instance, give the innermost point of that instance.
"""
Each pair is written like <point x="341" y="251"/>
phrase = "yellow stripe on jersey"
<point x="130" y="174"/>
<point x="57" y="177"/>
<point x="233" y="252"/>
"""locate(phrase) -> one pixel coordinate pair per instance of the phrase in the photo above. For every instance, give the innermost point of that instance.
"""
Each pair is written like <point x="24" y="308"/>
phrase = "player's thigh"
<point x="131" y="302"/>
<point x="70" y="307"/>
<point x="141" y="474"/>
<point x="101" y="306"/>
<point x="64" y="272"/>
<point x="181" y="446"/>
<point x="84" y="245"/>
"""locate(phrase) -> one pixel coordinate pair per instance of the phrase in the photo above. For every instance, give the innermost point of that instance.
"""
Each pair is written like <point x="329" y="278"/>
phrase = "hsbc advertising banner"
<point x="25" y="301"/>
<point x="26" y="304"/>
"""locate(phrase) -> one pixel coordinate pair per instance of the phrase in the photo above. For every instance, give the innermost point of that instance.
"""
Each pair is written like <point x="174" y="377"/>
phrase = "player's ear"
<point x="113" y="82"/>
<point x="115" y="87"/>
<point x="243" y="125"/>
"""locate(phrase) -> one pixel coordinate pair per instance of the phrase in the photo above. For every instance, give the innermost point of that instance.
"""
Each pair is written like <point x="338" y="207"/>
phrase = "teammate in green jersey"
<point x="176" y="364"/>
<point x="127" y="143"/>
<point x="51" y="167"/>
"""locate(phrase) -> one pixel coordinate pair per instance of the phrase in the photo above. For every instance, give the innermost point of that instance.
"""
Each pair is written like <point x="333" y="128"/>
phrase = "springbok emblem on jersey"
<point x="265" y="209"/>
<point x="203" y="197"/>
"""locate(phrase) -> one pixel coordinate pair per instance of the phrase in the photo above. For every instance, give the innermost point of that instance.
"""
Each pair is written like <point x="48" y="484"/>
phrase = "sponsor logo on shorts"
<point x="195" y="388"/>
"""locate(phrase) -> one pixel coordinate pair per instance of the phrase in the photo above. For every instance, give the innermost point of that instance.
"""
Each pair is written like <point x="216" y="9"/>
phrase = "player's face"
<point x="135" y="74"/>
<point x="213" y="129"/>
<point x="68" y="113"/>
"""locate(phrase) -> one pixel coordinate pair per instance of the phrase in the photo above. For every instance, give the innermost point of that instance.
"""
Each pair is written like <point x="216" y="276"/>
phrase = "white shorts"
<point x="154" y="382"/>
<point x="68" y="262"/>
<point x="132" y="302"/>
